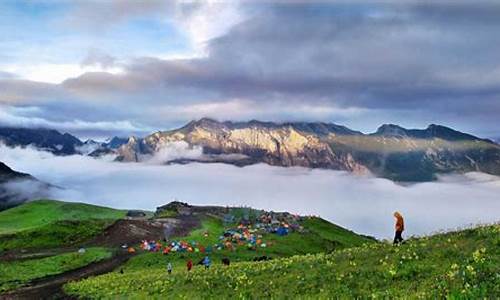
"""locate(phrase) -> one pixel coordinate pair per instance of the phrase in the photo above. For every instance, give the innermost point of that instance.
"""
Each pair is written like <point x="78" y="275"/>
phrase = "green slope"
<point x="460" y="265"/>
<point x="319" y="236"/>
<point x="38" y="213"/>
<point x="18" y="273"/>
<point x="49" y="223"/>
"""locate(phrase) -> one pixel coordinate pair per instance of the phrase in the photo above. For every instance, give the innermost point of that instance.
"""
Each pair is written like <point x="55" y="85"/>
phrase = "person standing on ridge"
<point x="400" y="227"/>
<point x="189" y="265"/>
<point x="169" y="268"/>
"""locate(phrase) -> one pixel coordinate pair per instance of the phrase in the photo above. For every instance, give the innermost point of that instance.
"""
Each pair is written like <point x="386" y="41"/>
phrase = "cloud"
<point x="360" y="63"/>
<point x="172" y="151"/>
<point x="96" y="57"/>
<point x="7" y="75"/>
<point x="98" y="15"/>
<point x="17" y="191"/>
<point x="241" y="109"/>
<point x="363" y="204"/>
<point x="207" y="20"/>
<point x="12" y="117"/>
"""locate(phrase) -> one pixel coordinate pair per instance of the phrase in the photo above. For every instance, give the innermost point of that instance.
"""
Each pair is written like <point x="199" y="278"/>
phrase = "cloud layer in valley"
<point x="363" y="204"/>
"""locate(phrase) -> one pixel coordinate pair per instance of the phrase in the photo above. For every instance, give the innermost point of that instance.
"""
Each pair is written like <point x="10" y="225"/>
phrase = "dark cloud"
<point x="415" y="63"/>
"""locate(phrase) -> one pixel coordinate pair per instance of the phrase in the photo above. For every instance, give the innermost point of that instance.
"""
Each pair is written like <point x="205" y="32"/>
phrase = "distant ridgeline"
<point x="391" y="152"/>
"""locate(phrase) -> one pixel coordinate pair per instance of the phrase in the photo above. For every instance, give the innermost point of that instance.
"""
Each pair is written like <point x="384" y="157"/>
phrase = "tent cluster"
<point x="179" y="246"/>
<point x="174" y="246"/>
<point x="241" y="236"/>
<point x="183" y="246"/>
<point x="249" y="234"/>
<point x="281" y="224"/>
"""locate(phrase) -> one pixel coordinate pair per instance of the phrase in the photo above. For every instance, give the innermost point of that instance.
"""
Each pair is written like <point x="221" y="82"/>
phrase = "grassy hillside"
<point x="17" y="273"/>
<point x="38" y="213"/>
<point x="463" y="264"/>
<point x="49" y="223"/>
<point x="319" y="236"/>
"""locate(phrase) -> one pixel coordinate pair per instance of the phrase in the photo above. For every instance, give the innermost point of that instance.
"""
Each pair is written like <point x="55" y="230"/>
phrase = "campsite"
<point x="52" y="252"/>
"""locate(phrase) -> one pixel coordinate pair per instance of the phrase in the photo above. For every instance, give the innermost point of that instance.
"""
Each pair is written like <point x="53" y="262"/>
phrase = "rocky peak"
<point x="323" y="129"/>
<point x="116" y="142"/>
<point x="391" y="130"/>
<point x="133" y="140"/>
<point x="446" y="133"/>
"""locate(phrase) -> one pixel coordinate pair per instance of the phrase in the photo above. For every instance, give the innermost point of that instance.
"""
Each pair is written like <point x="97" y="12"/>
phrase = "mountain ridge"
<point x="12" y="184"/>
<point x="391" y="152"/>
<point x="42" y="138"/>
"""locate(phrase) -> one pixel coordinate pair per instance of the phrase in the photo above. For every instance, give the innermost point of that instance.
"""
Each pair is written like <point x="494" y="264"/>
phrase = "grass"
<point x="49" y="223"/>
<point x="17" y="273"/>
<point x="34" y="214"/>
<point x="460" y="265"/>
<point x="57" y="234"/>
<point x="320" y="236"/>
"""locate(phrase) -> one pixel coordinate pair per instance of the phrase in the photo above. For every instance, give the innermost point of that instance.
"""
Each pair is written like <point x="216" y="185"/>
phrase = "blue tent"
<point x="282" y="231"/>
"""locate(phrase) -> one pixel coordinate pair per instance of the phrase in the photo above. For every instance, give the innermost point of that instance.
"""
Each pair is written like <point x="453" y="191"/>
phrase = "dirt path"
<point x="15" y="255"/>
<point x="50" y="287"/>
<point x="129" y="232"/>
<point x="126" y="231"/>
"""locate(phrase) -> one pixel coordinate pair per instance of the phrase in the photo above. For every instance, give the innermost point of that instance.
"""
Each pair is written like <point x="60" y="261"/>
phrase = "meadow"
<point x="17" y="273"/>
<point x="48" y="224"/>
<point x="462" y="264"/>
<point x="319" y="236"/>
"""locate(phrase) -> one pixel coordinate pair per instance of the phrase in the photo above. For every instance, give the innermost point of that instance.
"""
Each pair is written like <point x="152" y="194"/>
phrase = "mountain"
<point x="107" y="148"/>
<point x="16" y="187"/>
<point x="89" y="146"/>
<point x="392" y="151"/>
<point x="7" y="174"/>
<point x="116" y="142"/>
<point x="46" y="139"/>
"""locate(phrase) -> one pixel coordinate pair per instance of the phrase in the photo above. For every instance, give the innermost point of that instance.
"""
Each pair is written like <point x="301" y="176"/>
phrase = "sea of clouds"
<point x="361" y="203"/>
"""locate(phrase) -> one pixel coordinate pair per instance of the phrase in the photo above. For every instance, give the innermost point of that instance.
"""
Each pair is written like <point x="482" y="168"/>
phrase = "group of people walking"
<point x="189" y="264"/>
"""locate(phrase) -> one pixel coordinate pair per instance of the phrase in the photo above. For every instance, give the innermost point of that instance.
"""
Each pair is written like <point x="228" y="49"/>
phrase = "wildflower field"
<point x="321" y="236"/>
<point x="461" y="264"/>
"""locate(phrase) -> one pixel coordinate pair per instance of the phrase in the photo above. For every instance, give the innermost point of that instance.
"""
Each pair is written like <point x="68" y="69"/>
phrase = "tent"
<point x="282" y="231"/>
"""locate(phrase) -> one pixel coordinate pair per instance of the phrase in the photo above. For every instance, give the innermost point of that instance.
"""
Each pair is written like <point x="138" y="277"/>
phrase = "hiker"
<point x="206" y="262"/>
<point x="169" y="268"/>
<point x="189" y="265"/>
<point x="399" y="228"/>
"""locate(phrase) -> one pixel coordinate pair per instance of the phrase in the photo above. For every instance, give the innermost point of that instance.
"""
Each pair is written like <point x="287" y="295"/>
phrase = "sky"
<point x="101" y="68"/>
<point x="364" y="204"/>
